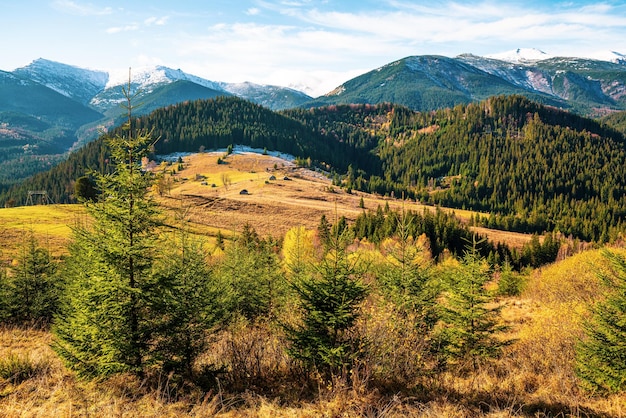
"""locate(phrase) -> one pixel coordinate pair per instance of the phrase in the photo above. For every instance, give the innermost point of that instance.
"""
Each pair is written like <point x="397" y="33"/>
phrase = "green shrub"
<point x="17" y="368"/>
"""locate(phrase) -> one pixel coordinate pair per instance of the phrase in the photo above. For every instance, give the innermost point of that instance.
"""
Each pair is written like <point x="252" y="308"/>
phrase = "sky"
<point x="311" y="45"/>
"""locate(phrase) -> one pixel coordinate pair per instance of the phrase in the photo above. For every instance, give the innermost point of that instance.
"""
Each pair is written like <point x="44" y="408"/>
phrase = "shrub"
<point x="16" y="368"/>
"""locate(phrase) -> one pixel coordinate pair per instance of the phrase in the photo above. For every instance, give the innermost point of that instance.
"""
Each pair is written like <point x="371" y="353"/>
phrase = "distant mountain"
<point x="73" y="82"/>
<point x="37" y="118"/>
<point x="426" y="83"/>
<point x="586" y="86"/>
<point x="272" y="97"/>
<point x="48" y="108"/>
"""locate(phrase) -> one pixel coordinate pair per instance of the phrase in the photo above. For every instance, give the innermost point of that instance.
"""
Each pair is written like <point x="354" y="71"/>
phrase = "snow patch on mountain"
<point x="144" y="77"/>
<point x="520" y="55"/>
<point x="68" y="80"/>
<point x="610" y="56"/>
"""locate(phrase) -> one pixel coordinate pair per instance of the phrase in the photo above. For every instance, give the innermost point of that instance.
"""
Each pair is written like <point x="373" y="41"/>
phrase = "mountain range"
<point x="48" y="108"/>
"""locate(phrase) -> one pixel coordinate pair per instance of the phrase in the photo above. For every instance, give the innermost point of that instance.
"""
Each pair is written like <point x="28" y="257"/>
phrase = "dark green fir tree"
<point x="329" y="301"/>
<point x="470" y="320"/>
<point x="104" y="325"/>
<point x="30" y="288"/>
<point x="601" y="356"/>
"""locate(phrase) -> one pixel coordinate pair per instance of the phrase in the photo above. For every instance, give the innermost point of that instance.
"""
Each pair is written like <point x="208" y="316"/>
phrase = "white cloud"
<point x="157" y="21"/>
<point x="118" y="29"/>
<point x="72" y="7"/>
<point x="316" y="44"/>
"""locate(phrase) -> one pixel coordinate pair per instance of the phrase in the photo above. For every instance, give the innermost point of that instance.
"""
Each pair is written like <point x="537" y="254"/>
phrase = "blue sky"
<point x="313" y="43"/>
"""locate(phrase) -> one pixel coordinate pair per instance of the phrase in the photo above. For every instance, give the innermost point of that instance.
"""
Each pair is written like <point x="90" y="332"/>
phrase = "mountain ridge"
<point x="78" y="103"/>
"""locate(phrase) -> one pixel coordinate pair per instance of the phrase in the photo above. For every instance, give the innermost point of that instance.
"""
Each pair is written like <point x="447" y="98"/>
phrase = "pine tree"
<point x="31" y="289"/>
<point x="601" y="356"/>
<point x="103" y="326"/>
<point x="251" y="270"/>
<point x="189" y="303"/>
<point x="329" y="302"/>
<point x="85" y="189"/>
<point x="406" y="278"/>
<point x="470" y="323"/>
<point x="323" y="233"/>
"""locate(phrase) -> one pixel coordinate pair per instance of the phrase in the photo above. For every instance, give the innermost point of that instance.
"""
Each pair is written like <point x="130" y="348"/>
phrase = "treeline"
<point x="617" y="121"/>
<point x="59" y="181"/>
<point x="534" y="168"/>
<point x="445" y="233"/>
<point x="213" y="124"/>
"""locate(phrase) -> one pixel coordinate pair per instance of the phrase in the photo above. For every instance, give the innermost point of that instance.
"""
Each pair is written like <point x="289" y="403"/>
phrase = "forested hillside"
<point x="533" y="168"/>
<point x="196" y="126"/>
<point x="616" y="120"/>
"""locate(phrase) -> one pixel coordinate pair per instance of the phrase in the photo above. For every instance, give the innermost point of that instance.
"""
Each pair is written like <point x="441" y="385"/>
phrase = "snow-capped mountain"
<point x="102" y="90"/>
<point x="610" y="56"/>
<point x="147" y="77"/>
<point x="272" y="97"/>
<point x="74" y="82"/>
<point x="145" y="81"/>
<point x="587" y="86"/>
<point x="520" y="55"/>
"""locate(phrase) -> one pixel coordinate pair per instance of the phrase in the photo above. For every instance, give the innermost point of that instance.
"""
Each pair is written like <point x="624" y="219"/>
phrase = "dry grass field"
<point x="50" y="224"/>
<point x="278" y="196"/>
<point x="534" y="378"/>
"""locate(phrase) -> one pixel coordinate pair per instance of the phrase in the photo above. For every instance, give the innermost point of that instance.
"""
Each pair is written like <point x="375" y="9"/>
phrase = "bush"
<point x="16" y="368"/>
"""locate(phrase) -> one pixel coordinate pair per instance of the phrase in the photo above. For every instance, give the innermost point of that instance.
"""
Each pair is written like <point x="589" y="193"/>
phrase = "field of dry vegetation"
<point x="533" y="377"/>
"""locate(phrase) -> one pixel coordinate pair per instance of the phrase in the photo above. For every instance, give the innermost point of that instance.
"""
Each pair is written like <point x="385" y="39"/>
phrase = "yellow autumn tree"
<point x="298" y="250"/>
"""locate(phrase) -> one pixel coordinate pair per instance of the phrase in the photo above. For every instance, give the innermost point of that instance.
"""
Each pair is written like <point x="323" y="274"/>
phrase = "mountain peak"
<point x="610" y="56"/>
<point x="68" y="80"/>
<point x="520" y="55"/>
<point x="154" y="75"/>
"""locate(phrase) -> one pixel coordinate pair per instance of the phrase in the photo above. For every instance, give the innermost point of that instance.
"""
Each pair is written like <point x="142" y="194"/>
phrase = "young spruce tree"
<point x="31" y="286"/>
<point x="329" y="300"/>
<point x="406" y="279"/>
<point x="103" y="325"/>
<point x="601" y="357"/>
<point x="470" y="321"/>
<point x="191" y="303"/>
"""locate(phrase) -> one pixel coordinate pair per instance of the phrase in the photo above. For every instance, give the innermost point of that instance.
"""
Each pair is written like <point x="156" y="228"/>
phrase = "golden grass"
<point x="275" y="206"/>
<point x="50" y="224"/>
<point x="534" y="377"/>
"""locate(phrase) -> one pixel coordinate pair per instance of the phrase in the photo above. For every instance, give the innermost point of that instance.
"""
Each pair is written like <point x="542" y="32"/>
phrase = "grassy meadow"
<point x="534" y="377"/>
